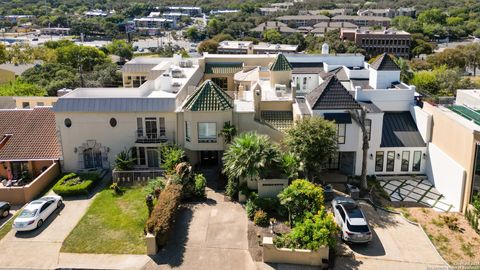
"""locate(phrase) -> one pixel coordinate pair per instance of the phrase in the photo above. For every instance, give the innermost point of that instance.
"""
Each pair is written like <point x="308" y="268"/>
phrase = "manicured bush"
<point x="260" y="218"/>
<point x="73" y="184"/>
<point x="160" y="221"/>
<point x="301" y="197"/>
<point x="313" y="232"/>
<point x="200" y="184"/>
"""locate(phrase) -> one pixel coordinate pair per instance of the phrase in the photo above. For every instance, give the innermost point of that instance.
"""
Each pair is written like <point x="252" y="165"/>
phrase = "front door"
<point x="92" y="158"/>
<point x="347" y="163"/>
<point x="209" y="158"/>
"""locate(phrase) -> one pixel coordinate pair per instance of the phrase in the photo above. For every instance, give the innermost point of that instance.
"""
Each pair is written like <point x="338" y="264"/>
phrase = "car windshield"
<point x="357" y="228"/>
<point x="26" y="213"/>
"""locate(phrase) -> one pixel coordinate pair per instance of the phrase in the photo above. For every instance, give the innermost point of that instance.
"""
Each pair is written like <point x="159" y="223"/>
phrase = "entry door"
<point x="347" y="163"/>
<point x="209" y="158"/>
<point x="152" y="157"/>
<point x="92" y="158"/>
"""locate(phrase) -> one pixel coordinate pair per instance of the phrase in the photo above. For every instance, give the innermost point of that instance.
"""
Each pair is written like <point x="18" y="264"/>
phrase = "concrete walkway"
<point x="211" y="235"/>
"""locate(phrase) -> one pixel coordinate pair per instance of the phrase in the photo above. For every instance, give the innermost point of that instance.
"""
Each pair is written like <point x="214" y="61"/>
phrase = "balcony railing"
<point x="150" y="137"/>
<point x="136" y="176"/>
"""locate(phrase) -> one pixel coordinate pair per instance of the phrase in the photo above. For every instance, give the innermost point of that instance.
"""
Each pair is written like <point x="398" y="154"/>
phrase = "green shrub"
<point x="251" y="207"/>
<point x="155" y="186"/>
<point x="160" y="220"/>
<point x="231" y="190"/>
<point x="261" y="218"/>
<point x="313" y="232"/>
<point x="171" y="156"/>
<point x="300" y="197"/>
<point x="200" y="184"/>
<point x="73" y="184"/>
<point x="270" y="205"/>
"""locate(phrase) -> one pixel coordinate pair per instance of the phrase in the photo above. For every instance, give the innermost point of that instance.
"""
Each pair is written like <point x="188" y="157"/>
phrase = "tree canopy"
<point x="314" y="141"/>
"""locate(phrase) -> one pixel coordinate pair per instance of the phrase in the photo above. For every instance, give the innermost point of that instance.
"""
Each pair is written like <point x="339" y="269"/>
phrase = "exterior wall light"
<point x="371" y="156"/>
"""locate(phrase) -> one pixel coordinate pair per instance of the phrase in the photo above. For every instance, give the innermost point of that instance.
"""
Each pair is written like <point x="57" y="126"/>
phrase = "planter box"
<point x="273" y="254"/>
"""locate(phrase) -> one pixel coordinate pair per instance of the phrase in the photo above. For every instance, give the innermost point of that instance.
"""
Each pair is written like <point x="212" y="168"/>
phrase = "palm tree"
<point x="248" y="155"/>
<point x="124" y="161"/>
<point x="406" y="73"/>
<point x="228" y="132"/>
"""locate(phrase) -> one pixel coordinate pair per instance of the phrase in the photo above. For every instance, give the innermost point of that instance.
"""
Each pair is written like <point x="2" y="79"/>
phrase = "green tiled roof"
<point x="467" y="113"/>
<point x="280" y="120"/>
<point x="281" y="64"/>
<point x="223" y="68"/>
<point x="209" y="97"/>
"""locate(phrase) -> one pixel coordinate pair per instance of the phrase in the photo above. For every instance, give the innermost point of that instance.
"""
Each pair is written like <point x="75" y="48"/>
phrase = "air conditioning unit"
<point x="177" y="73"/>
<point x="188" y="63"/>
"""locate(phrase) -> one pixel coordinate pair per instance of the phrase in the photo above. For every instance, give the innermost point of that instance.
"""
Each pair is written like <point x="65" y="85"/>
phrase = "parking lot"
<point x="396" y="244"/>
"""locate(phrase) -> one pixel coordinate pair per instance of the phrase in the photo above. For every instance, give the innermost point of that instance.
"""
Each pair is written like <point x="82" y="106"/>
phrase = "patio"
<point x="417" y="190"/>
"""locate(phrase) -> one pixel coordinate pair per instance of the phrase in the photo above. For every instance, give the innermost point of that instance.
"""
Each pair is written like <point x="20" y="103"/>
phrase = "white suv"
<point x="351" y="220"/>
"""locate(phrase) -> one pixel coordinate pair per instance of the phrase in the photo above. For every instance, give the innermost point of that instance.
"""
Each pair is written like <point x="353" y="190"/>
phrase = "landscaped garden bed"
<point x="73" y="184"/>
<point x="451" y="234"/>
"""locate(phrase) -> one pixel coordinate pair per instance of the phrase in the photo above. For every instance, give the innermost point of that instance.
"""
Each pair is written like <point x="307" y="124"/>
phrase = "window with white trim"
<point x="207" y="132"/>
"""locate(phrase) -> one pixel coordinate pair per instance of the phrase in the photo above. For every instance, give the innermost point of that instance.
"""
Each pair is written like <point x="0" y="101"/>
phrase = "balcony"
<point x="153" y="137"/>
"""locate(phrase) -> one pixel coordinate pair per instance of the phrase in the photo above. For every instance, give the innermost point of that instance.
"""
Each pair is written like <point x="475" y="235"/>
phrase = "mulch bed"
<point x="256" y="234"/>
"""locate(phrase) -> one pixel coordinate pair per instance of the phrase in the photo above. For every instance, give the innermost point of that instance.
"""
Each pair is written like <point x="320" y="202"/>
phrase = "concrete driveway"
<point x="211" y="235"/>
<point x="40" y="248"/>
<point x="396" y="244"/>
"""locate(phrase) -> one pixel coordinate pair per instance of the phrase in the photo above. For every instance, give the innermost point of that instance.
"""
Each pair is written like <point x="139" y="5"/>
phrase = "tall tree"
<point x="314" y="141"/>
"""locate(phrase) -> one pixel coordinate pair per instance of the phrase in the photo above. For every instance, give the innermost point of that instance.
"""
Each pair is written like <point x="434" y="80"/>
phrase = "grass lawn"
<point x="7" y="226"/>
<point x="113" y="224"/>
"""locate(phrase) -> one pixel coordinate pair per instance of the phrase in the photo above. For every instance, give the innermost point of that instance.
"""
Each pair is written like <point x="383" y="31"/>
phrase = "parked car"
<point x="36" y="212"/>
<point x="351" y="220"/>
<point x="4" y="209"/>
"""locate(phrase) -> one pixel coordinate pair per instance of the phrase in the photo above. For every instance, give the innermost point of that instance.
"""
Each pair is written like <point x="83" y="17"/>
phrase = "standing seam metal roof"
<point x="400" y="130"/>
<point x="115" y="105"/>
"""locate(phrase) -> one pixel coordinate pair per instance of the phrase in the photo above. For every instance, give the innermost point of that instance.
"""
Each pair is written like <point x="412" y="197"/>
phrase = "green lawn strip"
<point x="113" y="224"/>
<point x="7" y="226"/>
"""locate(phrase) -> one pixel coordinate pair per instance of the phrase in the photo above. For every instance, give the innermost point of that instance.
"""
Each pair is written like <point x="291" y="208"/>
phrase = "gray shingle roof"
<point x="384" y="62"/>
<point x="331" y="95"/>
<point x="399" y="130"/>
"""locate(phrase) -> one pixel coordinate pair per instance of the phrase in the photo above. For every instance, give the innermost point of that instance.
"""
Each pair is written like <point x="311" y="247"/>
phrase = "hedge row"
<point x="73" y="184"/>
<point x="160" y="221"/>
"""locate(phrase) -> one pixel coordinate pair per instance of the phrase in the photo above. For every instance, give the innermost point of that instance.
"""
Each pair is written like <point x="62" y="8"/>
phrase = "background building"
<point x="377" y="42"/>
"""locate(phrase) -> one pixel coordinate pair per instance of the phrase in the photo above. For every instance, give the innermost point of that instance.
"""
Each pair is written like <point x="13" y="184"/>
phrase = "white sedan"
<point x="36" y="212"/>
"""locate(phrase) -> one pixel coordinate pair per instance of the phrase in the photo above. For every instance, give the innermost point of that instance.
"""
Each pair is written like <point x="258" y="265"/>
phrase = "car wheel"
<point x="59" y="204"/>
<point x="5" y="213"/>
<point x="39" y="223"/>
